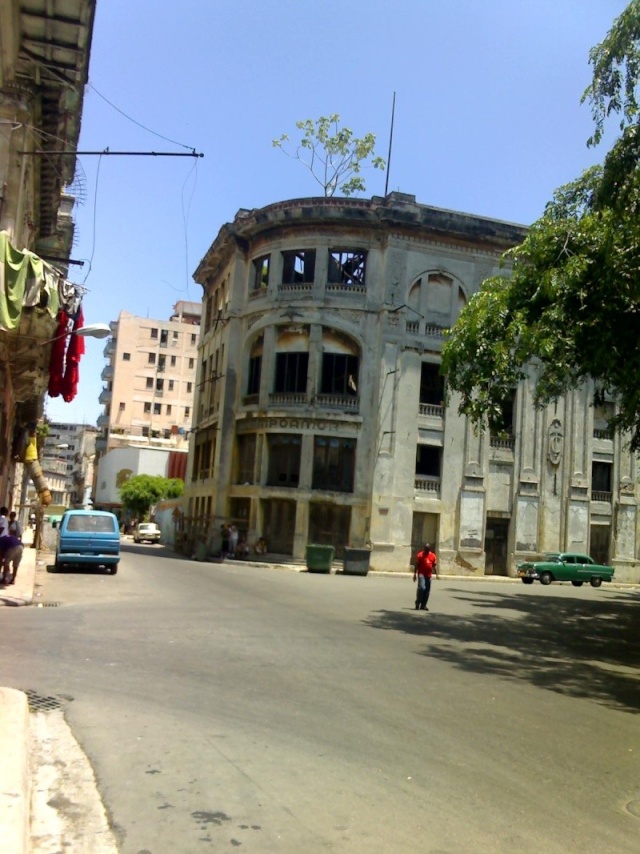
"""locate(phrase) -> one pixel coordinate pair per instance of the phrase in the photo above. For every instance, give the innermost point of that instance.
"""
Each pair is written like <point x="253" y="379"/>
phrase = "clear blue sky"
<point x="488" y="121"/>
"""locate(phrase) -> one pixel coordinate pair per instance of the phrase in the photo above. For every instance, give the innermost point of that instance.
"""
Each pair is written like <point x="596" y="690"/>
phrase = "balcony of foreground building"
<point x="601" y="496"/>
<point x="107" y="373"/>
<point x="105" y="396"/>
<point x="301" y="400"/>
<point x="103" y="421"/>
<point x="427" y="486"/>
<point x="109" y="348"/>
<point x="431" y="412"/>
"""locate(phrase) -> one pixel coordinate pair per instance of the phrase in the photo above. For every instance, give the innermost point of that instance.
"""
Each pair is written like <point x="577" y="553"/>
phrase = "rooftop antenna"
<point x="393" y="112"/>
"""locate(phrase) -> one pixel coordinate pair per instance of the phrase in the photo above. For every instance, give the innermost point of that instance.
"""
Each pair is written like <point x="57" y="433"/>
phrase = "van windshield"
<point x="91" y="524"/>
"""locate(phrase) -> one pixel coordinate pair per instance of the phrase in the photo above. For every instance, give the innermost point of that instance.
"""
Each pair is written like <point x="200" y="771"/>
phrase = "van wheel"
<point x="526" y="580"/>
<point x="546" y="578"/>
<point x="577" y="583"/>
<point x="114" y="568"/>
<point x="595" y="581"/>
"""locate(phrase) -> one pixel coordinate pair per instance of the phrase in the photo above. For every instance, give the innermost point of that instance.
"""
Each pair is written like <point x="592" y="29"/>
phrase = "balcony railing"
<point x="431" y="410"/>
<point x="105" y="395"/>
<point x="506" y="443"/>
<point x="285" y="398"/>
<point x="295" y="287"/>
<point x="425" y="484"/>
<point x="107" y="373"/>
<point x="344" y="402"/>
<point x="600" y="495"/>
<point x="344" y="288"/>
<point x="602" y="434"/>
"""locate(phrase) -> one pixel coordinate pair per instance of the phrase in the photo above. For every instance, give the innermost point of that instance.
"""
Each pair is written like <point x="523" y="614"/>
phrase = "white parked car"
<point x="146" y="532"/>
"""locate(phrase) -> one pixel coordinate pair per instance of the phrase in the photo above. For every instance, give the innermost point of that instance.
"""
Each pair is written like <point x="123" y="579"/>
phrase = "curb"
<point x="15" y="779"/>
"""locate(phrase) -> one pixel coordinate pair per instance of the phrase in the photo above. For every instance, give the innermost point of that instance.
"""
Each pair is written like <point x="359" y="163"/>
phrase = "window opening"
<point x="284" y="459"/>
<point x="291" y="372"/>
<point x="261" y="273"/>
<point x="298" y="266"/>
<point x="339" y="374"/>
<point x="333" y="463"/>
<point x="347" y="267"/>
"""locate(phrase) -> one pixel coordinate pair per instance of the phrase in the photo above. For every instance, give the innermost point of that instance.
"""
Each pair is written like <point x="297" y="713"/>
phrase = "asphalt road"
<point x="224" y="706"/>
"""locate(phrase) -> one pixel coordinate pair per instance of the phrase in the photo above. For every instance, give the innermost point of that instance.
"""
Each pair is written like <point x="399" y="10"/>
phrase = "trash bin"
<point x="319" y="558"/>
<point x="356" y="561"/>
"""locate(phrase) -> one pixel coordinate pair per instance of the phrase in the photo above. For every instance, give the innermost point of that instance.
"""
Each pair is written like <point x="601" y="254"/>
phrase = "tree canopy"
<point x="142" y="490"/>
<point x="570" y="309"/>
<point x="332" y="154"/>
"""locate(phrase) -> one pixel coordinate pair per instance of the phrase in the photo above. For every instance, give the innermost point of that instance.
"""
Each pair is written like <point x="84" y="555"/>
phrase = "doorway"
<point x="279" y="523"/>
<point x="495" y="546"/>
<point x="600" y="543"/>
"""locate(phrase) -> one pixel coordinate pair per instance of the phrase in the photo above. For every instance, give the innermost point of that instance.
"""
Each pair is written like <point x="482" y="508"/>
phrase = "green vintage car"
<point x="565" y="566"/>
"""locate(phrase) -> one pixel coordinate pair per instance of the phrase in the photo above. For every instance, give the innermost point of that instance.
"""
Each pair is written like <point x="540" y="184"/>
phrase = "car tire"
<point x="595" y="581"/>
<point x="577" y="583"/>
<point x="527" y="580"/>
<point x="113" y="568"/>
<point x="546" y="578"/>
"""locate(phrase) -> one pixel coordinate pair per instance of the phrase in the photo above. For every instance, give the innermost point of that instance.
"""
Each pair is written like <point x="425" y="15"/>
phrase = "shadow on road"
<point x="577" y="647"/>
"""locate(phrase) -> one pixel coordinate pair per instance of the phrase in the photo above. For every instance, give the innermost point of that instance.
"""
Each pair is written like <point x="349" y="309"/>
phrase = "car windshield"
<point x="147" y="526"/>
<point x="551" y="557"/>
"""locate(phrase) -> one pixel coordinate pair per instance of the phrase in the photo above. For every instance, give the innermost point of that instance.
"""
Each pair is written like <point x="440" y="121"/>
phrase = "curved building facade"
<point x="320" y="412"/>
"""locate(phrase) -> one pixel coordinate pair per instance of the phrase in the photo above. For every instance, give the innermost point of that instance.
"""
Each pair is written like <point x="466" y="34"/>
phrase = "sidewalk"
<point x="15" y="738"/>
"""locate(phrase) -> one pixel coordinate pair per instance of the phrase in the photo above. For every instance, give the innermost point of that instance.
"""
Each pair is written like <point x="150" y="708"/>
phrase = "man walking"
<point x="426" y="563"/>
<point x="10" y="554"/>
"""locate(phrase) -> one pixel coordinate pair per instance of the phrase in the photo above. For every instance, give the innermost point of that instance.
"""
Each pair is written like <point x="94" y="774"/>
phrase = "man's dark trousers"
<point x="422" y="593"/>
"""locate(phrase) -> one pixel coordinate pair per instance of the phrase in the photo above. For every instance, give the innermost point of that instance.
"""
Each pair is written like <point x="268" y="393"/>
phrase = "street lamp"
<point x="92" y="330"/>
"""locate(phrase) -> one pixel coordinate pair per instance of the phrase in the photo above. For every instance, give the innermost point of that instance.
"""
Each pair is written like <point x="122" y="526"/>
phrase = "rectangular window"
<point x="154" y="333"/>
<point x="428" y="461"/>
<point x="149" y="382"/>
<point x="187" y="411"/>
<point x="147" y="407"/>
<point x="193" y="340"/>
<point x="333" y="463"/>
<point x="246" y="457"/>
<point x="298" y="266"/>
<point x="175" y="335"/>
<point x="122" y="405"/>
<point x="291" y="372"/>
<point x="601" y="477"/>
<point x="170" y="385"/>
<point x="161" y="363"/>
<point x="191" y="363"/>
<point x="347" y="267"/>
<point x="168" y="409"/>
<point x="260" y="273"/>
<point x="189" y="388"/>
<point x="173" y="361"/>
<point x="339" y="374"/>
<point x="157" y="408"/>
<point x="152" y="358"/>
<point x="164" y="337"/>
<point x="431" y="384"/>
<point x="284" y="459"/>
<point x="255" y="368"/>
<point x="159" y="385"/>
<point x="126" y="357"/>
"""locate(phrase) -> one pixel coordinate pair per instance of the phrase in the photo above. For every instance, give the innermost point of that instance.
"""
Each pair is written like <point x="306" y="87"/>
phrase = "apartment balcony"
<point x="342" y="402"/>
<point x="107" y="373"/>
<point x="293" y="289"/>
<point x="101" y="444"/>
<point x="103" y="421"/>
<point x="502" y="442"/>
<point x="345" y="289"/>
<point x="288" y="400"/>
<point x="427" y="487"/>
<point x="105" y="396"/>
<point x="601" y="496"/>
<point x="431" y="410"/>
<point x="109" y="348"/>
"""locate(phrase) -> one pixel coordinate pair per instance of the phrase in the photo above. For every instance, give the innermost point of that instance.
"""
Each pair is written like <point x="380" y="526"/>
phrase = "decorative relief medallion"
<point x="556" y="442"/>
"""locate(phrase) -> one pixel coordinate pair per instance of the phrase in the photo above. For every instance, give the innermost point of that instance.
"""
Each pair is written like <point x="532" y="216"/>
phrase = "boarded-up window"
<point x="284" y="459"/>
<point x="334" y="463"/>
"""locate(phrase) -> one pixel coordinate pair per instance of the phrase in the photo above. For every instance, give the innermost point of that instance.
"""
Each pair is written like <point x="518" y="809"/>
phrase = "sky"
<point x="488" y="121"/>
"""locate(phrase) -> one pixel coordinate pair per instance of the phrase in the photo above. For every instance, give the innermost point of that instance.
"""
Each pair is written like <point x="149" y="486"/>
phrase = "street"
<point x="225" y="706"/>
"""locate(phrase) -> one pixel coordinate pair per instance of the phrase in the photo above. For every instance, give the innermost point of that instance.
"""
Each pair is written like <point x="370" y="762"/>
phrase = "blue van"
<point x="89" y="537"/>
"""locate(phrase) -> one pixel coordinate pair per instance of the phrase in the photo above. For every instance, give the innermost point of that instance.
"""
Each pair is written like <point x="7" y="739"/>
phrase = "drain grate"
<point x="38" y="703"/>
<point x="46" y="604"/>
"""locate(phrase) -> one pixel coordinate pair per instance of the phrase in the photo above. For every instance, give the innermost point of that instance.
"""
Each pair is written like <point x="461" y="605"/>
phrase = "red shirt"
<point x="425" y="563"/>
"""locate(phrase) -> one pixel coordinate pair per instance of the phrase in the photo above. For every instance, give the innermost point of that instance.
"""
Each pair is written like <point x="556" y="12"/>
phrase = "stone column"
<point x="268" y="366"/>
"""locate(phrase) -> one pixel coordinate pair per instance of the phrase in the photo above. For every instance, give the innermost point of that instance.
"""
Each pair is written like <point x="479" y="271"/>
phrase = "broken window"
<point x="298" y="266"/>
<point x="431" y="384"/>
<point x="428" y="459"/>
<point x="339" y="374"/>
<point x="347" y="267"/>
<point x="334" y="463"/>
<point x="253" y="380"/>
<point x="246" y="457"/>
<point x="261" y="272"/>
<point x="284" y="459"/>
<point x="291" y="372"/>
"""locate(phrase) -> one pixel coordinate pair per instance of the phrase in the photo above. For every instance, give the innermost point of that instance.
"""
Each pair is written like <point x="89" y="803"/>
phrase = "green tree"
<point x="570" y="309"/>
<point x="142" y="490"/>
<point x="332" y="154"/>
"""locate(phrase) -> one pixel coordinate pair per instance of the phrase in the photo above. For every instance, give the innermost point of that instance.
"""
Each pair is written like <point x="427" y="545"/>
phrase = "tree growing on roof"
<point x="570" y="310"/>
<point x="332" y="154"/>
<point x="139" y="492"/>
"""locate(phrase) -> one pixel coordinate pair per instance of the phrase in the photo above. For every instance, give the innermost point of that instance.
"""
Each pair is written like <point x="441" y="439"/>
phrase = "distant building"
<point x="116" y="467"/>
<point x="148" y="395"/>
<point x="320" y="413"/>
<point x="68" y="458"/>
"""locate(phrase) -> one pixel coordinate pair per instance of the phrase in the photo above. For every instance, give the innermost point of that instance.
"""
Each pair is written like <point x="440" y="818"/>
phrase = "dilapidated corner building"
<point x="319" y="411"/>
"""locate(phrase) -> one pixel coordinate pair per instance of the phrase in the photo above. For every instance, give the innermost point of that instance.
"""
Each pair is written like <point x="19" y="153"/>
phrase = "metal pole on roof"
<point x="393" y="113"/>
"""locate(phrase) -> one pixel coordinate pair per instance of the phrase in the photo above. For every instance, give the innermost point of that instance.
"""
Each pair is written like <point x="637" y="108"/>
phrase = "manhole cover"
<point x="38" y="703"/>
